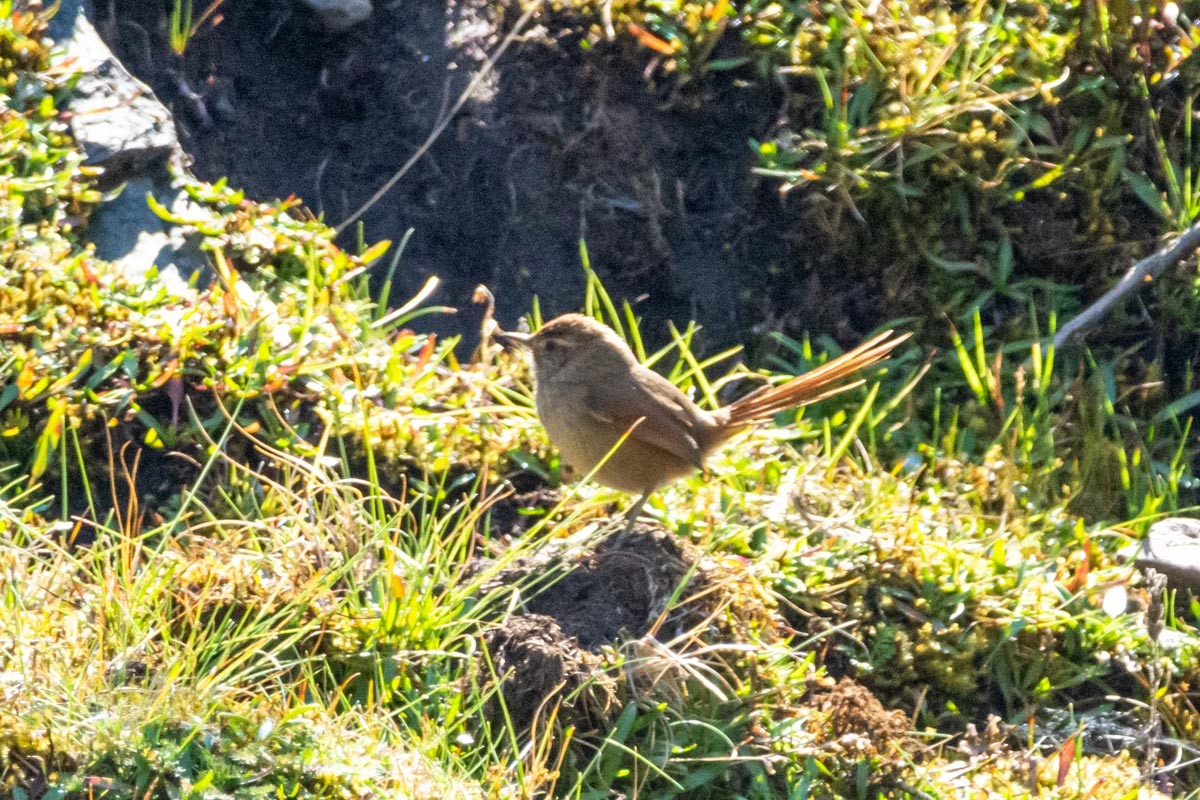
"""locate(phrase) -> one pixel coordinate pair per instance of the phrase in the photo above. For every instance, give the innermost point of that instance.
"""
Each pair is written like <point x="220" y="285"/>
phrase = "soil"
<point x="541" y="667"/>
<point x="631" y="585"/>
<point x="559" y="143"/>
<point x="647" y="582"/>
<point x="856" y="720"/>
<point x="531" y="499"/>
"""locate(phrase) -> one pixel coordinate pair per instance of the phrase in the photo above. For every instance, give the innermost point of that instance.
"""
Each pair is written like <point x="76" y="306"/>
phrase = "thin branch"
<point x="1139" y="274"/>
<point x="445" y="119"/>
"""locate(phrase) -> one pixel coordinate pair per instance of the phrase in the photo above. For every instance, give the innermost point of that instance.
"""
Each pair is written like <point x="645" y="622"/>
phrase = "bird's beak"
<point x="512" y="338"/>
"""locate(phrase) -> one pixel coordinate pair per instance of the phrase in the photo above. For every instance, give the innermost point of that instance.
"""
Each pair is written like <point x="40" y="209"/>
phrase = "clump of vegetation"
<point x="283" y="341"/>
<point x="911" y="591"/>
<point x="984" y="155"/>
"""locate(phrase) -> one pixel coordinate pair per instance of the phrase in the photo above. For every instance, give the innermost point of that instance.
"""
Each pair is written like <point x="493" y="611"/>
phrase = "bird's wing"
<point x="652" y="409"/>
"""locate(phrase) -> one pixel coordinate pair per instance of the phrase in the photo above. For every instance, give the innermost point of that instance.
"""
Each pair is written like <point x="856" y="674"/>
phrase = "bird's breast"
<point x="584" y="441"/>
<point x="578" y="435"/>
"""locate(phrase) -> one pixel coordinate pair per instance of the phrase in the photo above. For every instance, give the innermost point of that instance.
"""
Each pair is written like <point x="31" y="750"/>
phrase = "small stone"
<point x="339" y="15"/>
<point x="115" y="118"/>
<point x="1172" y="546"/>
<point x="122" y="128"/>
<point x="1116" y="601"/>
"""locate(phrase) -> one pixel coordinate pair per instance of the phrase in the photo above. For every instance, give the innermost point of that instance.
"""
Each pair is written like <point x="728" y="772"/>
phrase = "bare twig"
<point x="445" y="118"/>
<point x="487" y="326"/>
<point x="1139" y="274"/>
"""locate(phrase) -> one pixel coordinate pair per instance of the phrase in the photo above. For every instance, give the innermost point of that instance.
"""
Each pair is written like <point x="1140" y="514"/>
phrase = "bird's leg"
<point x="632" y="514"/>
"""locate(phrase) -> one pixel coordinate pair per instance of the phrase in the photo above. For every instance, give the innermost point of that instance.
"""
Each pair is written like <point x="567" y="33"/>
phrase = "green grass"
<point x="948" y="157"/>
<point x="249" y="532"/>
<point x="184" y="25"/>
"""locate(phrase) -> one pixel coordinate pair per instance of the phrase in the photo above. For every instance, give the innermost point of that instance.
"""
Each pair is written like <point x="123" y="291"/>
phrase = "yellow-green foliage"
<point x="282" y="338"/>
<point x="951" y="585"/>
<point x="932" y="86"/>
<point x="985" y="153"/>
<point x="164" y="664"/>
<point x="285" y="628"/>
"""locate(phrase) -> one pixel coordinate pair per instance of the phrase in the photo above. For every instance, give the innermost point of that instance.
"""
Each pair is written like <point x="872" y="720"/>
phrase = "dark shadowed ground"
<point x="559" y="143"/>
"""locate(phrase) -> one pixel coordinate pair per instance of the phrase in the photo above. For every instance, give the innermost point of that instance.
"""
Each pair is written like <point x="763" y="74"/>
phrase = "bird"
<point x="634" y="430"/>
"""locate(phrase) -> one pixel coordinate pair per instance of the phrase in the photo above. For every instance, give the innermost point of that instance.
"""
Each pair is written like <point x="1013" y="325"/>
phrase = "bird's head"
<point x="573" y="343"/>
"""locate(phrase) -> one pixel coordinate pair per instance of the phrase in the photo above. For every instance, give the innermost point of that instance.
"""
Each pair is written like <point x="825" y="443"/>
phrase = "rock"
<point x="116" y="118"/>
<point x="122" y="128"/>
<point x="339" y="15"/>
<point x="124" y="230"/>
<point x="1172" y="547"/>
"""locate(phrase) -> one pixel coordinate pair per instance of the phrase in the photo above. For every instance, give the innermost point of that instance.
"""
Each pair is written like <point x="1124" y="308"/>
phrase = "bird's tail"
<point x="824" y="381"/>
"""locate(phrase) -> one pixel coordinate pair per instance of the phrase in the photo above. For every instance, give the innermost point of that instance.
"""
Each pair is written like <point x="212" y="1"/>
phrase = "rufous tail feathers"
<point x="822" y="382"/>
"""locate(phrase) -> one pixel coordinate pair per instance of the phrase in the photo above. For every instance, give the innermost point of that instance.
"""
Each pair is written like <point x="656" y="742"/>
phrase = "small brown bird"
<point x="592" y="392"/>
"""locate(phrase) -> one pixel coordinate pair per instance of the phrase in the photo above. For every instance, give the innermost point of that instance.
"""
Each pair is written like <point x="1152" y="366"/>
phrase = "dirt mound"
<point x="619" y="589"/>
<point x="855" y="722"/>
<point x="649" y="582"/>
<point x="541" y="668"/>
